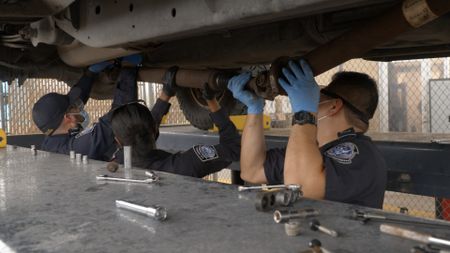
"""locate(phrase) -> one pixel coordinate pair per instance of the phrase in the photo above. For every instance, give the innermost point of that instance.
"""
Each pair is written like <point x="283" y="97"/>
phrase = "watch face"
<point x="303" y="117"/>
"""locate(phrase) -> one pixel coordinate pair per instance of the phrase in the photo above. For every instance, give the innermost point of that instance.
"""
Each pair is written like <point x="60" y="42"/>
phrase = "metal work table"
<point x="49" y="203"/>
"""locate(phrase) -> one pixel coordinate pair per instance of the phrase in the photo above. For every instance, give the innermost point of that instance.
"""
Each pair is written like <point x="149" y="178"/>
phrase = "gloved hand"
<point x="134" y="59"/>
<point x="99" y="67"/>
<point x="208" y="93"/>
<point x="302" y="89"/>
<point x="254" y="103"/>
<point x="169" y="85"/>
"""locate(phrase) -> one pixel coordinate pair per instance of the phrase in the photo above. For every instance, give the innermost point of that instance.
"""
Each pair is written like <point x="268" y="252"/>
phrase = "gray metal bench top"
<point x="49" y="203"/>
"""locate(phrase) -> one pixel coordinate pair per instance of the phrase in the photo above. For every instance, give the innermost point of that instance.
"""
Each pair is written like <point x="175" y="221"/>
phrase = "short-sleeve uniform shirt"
<point x="355" y="169"/>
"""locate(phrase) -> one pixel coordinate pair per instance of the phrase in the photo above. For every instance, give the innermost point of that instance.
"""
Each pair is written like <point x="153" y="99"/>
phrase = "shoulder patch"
<point x="205" y="152"/>
<point x="84" y="132"/>
<point x="343" y="152"/>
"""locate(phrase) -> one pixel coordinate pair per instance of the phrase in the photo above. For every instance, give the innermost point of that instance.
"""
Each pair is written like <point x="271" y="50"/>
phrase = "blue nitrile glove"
<point x="255" y="104"/>
<point x="99" y="67"/>
<point x="302" y="89"/>
<point x="134" y="59"/>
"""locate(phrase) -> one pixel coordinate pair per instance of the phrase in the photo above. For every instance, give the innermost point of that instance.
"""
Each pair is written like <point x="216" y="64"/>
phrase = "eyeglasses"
<point x="360" y="114"/>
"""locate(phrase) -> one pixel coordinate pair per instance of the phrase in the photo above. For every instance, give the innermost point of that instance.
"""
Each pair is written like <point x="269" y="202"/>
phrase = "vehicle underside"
<point x="211" y="39"/>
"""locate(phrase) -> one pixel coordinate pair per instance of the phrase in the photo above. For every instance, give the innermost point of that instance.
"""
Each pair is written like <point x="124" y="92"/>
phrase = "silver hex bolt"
<point x="315" y="226"/>
<point x="72" y="154"/>
<point x="33" y="150"/>
<point x="292" y="228"/>
<point x="78" y="158"/>
<point x="85" y="159"/>
<point x="156" y="212"/>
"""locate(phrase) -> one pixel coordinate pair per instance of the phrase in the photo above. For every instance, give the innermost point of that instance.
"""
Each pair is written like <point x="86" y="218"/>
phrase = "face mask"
<point x="86" y="120"/>
<point x="323" y="117"/>
<point x="326" y="116"/>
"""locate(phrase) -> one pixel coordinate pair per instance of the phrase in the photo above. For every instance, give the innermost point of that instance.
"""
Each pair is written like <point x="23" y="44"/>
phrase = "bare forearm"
<point x="253" y="148"/>
<point x="303" y="164"/>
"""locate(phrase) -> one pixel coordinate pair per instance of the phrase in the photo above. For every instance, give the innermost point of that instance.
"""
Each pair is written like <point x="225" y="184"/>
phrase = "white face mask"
<point x="86" y="120"/>
<point x="323" y="117"/>
<point x="326" y="116"/>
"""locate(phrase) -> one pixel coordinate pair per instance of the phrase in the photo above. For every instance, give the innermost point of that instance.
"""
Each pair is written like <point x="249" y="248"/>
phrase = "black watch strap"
<point x="303" y="118"/>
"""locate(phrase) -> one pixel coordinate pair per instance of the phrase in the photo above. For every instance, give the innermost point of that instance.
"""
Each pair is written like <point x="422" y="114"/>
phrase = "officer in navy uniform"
<point x="60" y="117"/>
<point x="330" y="157"/>
<point x="198" y="161"/>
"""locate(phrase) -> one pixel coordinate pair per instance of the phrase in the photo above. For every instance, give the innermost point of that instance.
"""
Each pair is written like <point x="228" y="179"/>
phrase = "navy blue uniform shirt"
<point x="97" y="141"/>
<point x="200" y="160"/>
<point x="355" y="170"/>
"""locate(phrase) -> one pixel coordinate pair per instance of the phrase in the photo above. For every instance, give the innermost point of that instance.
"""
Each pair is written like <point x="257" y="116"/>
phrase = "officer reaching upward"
<point x="63" y="120"/>
<point x="330" y="157"/>
<point x="134" y="125"/>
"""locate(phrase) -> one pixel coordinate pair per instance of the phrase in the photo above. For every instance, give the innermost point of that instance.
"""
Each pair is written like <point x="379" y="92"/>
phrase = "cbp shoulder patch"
<point x="84" y="132"/>
<point x="205" y="152"/>
<point x="343" y="152"/>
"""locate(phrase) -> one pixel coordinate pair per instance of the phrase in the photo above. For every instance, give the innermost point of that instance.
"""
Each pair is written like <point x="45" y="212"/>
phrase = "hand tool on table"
<point x="412" y="235"/>
<point x="315" y="226"/>
<point x="364" y="217"/>
<point x="283" y="216"/>
<point x="156" y="212"/>
<point x="151" y="177"/>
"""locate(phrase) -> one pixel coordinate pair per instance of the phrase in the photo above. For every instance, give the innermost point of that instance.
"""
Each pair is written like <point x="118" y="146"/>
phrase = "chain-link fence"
<point x="413" y="104"/>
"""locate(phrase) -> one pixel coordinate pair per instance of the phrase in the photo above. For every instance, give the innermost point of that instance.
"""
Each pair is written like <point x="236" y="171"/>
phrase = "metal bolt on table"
<point x="72" y="154"/>
<point x="282" y="216"/>
<point x="120" y="179"/>
<point x="156" y="212"/>
<point x="268" y="187"/>
<point x="315" y="226"/>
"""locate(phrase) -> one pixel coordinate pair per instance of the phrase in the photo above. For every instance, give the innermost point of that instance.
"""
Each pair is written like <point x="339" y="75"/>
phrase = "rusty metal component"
<point x="361" y="39"/>
<point x="217" y="80"/>
<point x="77" y="54"/>
<point x="354" y="43"/>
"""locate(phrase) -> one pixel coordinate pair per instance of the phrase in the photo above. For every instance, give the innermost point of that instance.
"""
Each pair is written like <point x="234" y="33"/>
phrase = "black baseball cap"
<point x="49" y="110"/>
<point x="358" y="91"/>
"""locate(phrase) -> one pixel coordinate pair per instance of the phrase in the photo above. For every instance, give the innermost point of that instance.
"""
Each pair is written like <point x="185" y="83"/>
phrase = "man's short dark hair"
<point x="360" y="93"/>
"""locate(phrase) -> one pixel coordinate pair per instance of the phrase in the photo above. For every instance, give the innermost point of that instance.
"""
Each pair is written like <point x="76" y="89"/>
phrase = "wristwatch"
<point x="304" y="117"/>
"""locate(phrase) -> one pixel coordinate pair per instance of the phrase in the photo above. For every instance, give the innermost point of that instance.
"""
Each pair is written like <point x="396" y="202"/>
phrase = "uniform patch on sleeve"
<point x="206" y="152"/>
<point x="84" y="132"/>
<point x="343" y="152"/>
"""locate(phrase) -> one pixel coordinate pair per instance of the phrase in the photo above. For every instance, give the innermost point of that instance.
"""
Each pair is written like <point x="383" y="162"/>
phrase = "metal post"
<point x="150" y="93"/>
<point x="3" y="107"/>
<point x="446" y="67"/>
<point x="425" y="74"/>
<point x="383" y="87"/>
